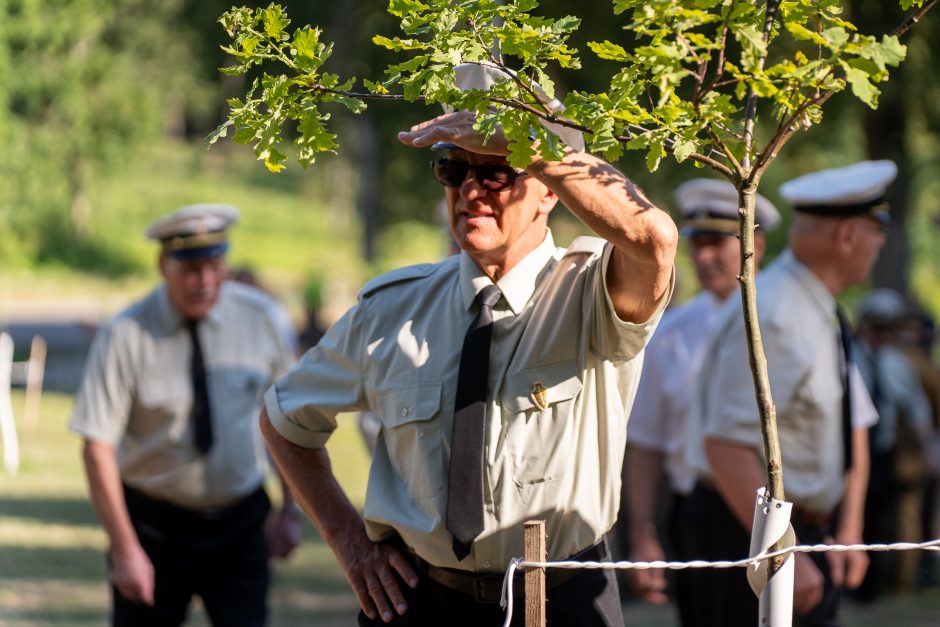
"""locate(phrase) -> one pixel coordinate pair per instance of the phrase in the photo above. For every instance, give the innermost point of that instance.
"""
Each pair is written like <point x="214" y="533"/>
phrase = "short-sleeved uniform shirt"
<point x="137" y="395"/>
<point x="799" y="330"/>
<point x="396" y="354"/>
<point x="673" y="360"/>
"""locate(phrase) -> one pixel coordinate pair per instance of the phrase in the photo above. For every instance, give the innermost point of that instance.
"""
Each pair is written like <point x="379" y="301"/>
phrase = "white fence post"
<point x="11" y="445"/>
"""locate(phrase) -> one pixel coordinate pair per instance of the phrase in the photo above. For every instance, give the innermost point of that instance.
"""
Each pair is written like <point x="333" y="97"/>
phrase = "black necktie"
<point x="201" y="415"/>
<point x="845" y="338"/>
<point x="465" y="486"/>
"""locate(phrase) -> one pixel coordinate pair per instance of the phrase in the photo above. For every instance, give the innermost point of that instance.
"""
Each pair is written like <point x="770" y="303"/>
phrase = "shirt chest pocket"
<point x="411" y="431"/>
<point x="163" y="407"/>
<point x="539" y="407"/>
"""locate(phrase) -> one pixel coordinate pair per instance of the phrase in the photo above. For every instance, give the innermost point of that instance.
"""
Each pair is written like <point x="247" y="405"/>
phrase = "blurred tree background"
<point x="105" y="104"/>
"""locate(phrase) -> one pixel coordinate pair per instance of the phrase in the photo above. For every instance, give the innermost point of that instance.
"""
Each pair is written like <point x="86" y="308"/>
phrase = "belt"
<point x="488" y="588"/>
<point x="810" y="519"/>
<point x="798" y="515"/>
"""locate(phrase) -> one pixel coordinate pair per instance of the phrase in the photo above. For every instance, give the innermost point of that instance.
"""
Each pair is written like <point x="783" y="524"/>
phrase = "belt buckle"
<point x="488" y="588"/>
<point x="479" y="592"/>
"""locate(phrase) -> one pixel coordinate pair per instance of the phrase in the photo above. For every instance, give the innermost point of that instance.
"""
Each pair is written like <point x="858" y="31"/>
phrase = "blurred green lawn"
<point x="52" y="569"/>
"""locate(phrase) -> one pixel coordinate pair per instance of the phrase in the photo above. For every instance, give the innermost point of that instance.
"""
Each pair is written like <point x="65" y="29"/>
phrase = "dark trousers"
<point x="589" y="599"/>
<point x="723" y="597"/>
<point x="220" y="556"/>
<point x="682" y="582"/>
<point x="880" y="525"/>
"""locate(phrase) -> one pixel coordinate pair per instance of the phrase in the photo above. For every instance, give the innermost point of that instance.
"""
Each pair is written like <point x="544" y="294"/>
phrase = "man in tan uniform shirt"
<point x="568" y="331"/>
<point x="174" y="458"/>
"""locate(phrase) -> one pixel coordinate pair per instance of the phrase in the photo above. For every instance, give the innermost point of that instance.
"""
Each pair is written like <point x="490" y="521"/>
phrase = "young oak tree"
<point x="724" y="84"/>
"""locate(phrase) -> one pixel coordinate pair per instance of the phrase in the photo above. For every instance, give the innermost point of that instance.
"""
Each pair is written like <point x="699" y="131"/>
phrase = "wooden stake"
<point x="535" y="577"/>
<point x="35" y="372"/>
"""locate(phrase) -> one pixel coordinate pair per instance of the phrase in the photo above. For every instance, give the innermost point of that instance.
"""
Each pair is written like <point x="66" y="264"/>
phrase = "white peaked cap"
<point x="193" y="219"/>
<point x="712" y="205"/>
<point x="841" y="191"/>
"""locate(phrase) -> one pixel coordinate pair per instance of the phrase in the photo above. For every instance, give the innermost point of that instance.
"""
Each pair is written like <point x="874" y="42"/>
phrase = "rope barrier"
<point x="516" y="562"/>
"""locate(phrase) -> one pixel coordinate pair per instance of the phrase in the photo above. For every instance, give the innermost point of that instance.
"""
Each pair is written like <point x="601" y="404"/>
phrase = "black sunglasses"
<point x="494" y="177"/>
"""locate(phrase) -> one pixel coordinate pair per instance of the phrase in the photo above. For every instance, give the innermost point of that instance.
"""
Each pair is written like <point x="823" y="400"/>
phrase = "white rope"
<point x="517" y="562"/>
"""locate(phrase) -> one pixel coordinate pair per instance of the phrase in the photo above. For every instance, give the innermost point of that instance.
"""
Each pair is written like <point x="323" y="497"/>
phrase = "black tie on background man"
<point x="166" y="409"/>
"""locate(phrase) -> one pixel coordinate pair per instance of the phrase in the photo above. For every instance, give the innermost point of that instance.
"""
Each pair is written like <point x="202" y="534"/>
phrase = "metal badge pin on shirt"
<point x="539" y="395"/>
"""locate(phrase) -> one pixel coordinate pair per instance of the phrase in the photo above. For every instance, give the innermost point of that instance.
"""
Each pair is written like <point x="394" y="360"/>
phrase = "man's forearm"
<point x="644" y="237"/>
<point x="644" y="482"/>
<point x="738" y="475"/>
<point x="107" y="495"/>
<point x="852" y="510"/>
<point x="309" y="478"/>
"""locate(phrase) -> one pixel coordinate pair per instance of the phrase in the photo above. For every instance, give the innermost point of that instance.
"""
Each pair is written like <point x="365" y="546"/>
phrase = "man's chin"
<point x="198" y="310"/>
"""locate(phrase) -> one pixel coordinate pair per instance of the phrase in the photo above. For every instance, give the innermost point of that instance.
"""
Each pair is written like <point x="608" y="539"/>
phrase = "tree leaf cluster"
<point x="682" y="88"/>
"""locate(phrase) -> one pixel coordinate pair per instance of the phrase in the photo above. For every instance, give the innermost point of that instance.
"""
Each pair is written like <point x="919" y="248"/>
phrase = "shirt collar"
<point x="816" y="288"/>
<point x="517" y="285"/>
<point x="170" y="317"/>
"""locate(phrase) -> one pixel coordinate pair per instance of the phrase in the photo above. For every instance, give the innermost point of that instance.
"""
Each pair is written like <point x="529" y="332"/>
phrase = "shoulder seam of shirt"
<point x="586" y="244"/>
<point x="401" y="275"/>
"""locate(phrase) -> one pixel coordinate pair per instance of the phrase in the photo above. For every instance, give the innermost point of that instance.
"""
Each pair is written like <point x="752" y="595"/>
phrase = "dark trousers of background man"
<point x="219" y="555"/>
<point x="723" y="597"/>
<point x="589" y="599"/>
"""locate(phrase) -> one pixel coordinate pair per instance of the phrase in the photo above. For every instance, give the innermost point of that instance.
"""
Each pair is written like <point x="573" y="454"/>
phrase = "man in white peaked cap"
<point x="503" y="378"/>
<point x="175" y="463"/>
<point x="823" y="409"/>
<point x="708" y="220"/>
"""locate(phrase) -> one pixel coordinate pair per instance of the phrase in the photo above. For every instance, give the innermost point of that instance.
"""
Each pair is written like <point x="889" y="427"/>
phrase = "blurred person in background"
<point x="708" y="221"/>
<point x="175" y="463"/>
<point x="823" y="411"/>
<point x="247" y="275"/>
<point x="902" y="443"/>
<point x="916" y="338"/>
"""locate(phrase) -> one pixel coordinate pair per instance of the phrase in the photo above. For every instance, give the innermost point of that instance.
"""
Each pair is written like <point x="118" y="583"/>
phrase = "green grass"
<point x="52" y="569"/>
<point x="293" y="226"/>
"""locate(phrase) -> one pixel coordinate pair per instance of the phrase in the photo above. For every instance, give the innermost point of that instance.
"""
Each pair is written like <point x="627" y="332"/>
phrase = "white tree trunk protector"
<point x="771" y="523"/>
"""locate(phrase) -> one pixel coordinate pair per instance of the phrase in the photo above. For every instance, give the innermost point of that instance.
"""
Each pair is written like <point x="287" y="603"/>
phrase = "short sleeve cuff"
<point x="298" y="434"/>
<point x="95" y="433"/>
<point x="615" y="319"/>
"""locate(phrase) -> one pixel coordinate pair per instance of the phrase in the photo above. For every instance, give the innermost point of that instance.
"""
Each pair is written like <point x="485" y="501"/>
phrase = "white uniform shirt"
<point x="397" y="352"/>
<point x="800" y="337"/>
<point x="671" y="367"/>
<point x="137" y="394"/>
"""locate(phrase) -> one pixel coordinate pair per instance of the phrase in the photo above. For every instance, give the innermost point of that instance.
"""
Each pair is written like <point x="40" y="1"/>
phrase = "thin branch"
<point x="779" y="140"/>
<point x="913" y="18"/>
<point x="720" y="67"/>
<point x="750" y="116"/>
<point x="786" y="130"/>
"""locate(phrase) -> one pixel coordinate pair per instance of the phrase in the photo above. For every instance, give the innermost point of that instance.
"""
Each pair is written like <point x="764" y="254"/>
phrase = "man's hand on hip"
<point x="371" y="568"/>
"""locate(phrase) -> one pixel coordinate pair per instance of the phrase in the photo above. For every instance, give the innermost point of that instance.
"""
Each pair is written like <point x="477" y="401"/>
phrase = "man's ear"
<point x="845" y="237"/>
<point x="548" y="202"/>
